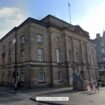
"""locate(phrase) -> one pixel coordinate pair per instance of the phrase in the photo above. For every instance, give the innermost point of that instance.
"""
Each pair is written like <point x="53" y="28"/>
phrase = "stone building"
<point x="41" y="53"/>
<point x="99" y="43"/>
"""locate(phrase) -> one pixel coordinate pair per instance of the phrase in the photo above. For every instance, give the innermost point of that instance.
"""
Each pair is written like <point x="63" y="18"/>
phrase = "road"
<point x="75" y="98"/>
<point x="7" y="97"/>
<point x="80" y="98"/>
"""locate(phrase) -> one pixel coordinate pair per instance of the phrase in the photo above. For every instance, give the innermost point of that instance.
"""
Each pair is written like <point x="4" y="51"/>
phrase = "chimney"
<point x="103" y="34"/>
<point x="98" y="35"/>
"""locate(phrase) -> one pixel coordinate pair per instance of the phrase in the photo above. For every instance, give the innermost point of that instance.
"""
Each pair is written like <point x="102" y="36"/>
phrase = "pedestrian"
<point x="97" y="86"/>
<point x="15" y="87"/>
<point x="91" y="86"/>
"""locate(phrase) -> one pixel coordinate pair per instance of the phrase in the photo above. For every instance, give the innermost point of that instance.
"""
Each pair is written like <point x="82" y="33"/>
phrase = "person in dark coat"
<point x="15" y="87"/>
<point x="97" y="86"/>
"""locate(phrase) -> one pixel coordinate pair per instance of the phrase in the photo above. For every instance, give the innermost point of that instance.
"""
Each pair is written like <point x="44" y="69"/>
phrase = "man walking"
<point x="15" y="87"/>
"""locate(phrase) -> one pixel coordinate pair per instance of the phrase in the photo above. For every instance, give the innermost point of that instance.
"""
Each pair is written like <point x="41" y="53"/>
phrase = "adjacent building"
<point x="40" y="53"/>
<point x="99" y="43"/>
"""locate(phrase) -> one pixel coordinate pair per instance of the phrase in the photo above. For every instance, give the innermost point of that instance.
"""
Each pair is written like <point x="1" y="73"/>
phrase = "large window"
<point x="39" y="38"/>
<point x="4" y="49"/>
<point x="103" y="50"/>
<point x="10" y="46"/>
<point x="58" y="55"/>
<point x="40" y="54"/>
<point x="41" y="77"/>
<point x="22" y="55"/>
<point x="9" y="52"/>
<point x="70" y="57"/>
<point x="102" y="43"/>
<point x="57" y="39"/>
<point x="103" y="58"/>
<point x="60" y="75"/>
<point x="3" y="55"/>
<point x="77" y="57"/>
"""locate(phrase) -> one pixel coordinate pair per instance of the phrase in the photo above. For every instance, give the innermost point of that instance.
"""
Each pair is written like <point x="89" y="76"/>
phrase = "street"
<point x="75" y="98"/>
<point x="7" y="97"/>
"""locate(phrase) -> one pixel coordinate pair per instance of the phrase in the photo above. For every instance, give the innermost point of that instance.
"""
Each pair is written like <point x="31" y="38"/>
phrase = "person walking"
<point x="97" y="86"/>
<point x="15" y="87"/>
<point x="91" y="86"/>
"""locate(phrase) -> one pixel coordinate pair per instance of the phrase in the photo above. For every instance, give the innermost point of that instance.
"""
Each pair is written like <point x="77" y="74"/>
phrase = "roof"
<point x="74" y="28"/>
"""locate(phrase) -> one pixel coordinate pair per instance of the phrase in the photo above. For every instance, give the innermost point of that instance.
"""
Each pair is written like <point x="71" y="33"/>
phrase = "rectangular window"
<point x="22" y="77"/>
<point x="58" y="55"/>
<point x="40" y="54"/>
<point x="10" y="46"/>
<point x="4" y="48"/>
<point x="9" y="52"/>
<point x="102" y="43"/>
<point x="77" y="57"/>
<point x="70" y="58"/>
<point x="57" y="39"/>
<point x="103" y="50"/>
<point x="41" y="77"/>
<point x="22" y="40"/>
<point x="103" y="58"/>
<point x="22" y="55"/>
<point x="39" y="38"/>
<point x="60" y="76"/>
<point x="3" y="55"/>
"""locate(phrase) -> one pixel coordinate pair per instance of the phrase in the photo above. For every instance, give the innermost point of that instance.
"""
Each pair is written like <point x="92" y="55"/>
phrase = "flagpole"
<point x="69" y="12"/>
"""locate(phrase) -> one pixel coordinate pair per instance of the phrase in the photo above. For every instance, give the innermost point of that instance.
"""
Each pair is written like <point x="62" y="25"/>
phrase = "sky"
<point x="89" y="14"/>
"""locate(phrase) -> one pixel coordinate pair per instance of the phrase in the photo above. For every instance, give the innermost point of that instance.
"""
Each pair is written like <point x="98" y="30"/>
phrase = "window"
<point x="103" y="50"/>
<point x="3" y="55"/>
<point x="39" y="38"/>
<point x="22" y="40"/>
<point x="58" y="55"/>
<point x="57" y="39"/>
<point x="9" y="52"/>
<point x="103" y="58"/>
<point x="100" y="67"/>
<point x="40" y="54"/>
<point x="95" y="45"/>
<point x="22" y="77"/>
<point x="9" y="58"/>
<point x="77" y="57"/>
<point x="82" y="74"/>
<point x="41" y="77"/>
<point x="4" y="48"/>
<point x="60" y="76"/>
<point x="70" y="56"/>
<point x="102" y="43"/>
<point x="22" y="55"/>
<point x="10" y="46"/>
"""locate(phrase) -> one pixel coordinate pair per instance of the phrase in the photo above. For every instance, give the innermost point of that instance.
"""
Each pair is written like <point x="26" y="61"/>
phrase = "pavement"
<point x="75" y="97"/>
<point x="28" y="96"/>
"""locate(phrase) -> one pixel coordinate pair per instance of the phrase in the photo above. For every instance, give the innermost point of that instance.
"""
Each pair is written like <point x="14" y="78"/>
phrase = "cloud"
<point x="9" y="18"/>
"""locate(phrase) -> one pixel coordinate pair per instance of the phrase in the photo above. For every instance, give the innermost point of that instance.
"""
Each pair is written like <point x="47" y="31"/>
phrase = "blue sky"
<point x="89" y="14"/>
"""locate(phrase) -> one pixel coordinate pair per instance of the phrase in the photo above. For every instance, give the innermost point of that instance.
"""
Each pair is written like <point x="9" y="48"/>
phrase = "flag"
<point x="68" y="4"/>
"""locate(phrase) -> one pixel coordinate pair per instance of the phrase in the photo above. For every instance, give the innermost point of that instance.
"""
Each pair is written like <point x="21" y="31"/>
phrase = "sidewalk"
<point x="75" y="98"/>
<point x="44" y="91"/>
<point x="79" y="98"/>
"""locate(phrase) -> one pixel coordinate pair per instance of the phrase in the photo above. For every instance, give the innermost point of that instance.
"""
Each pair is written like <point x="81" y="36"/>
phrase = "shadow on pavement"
<point x="60" y="92"/>
<point x="88" y="93"/>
